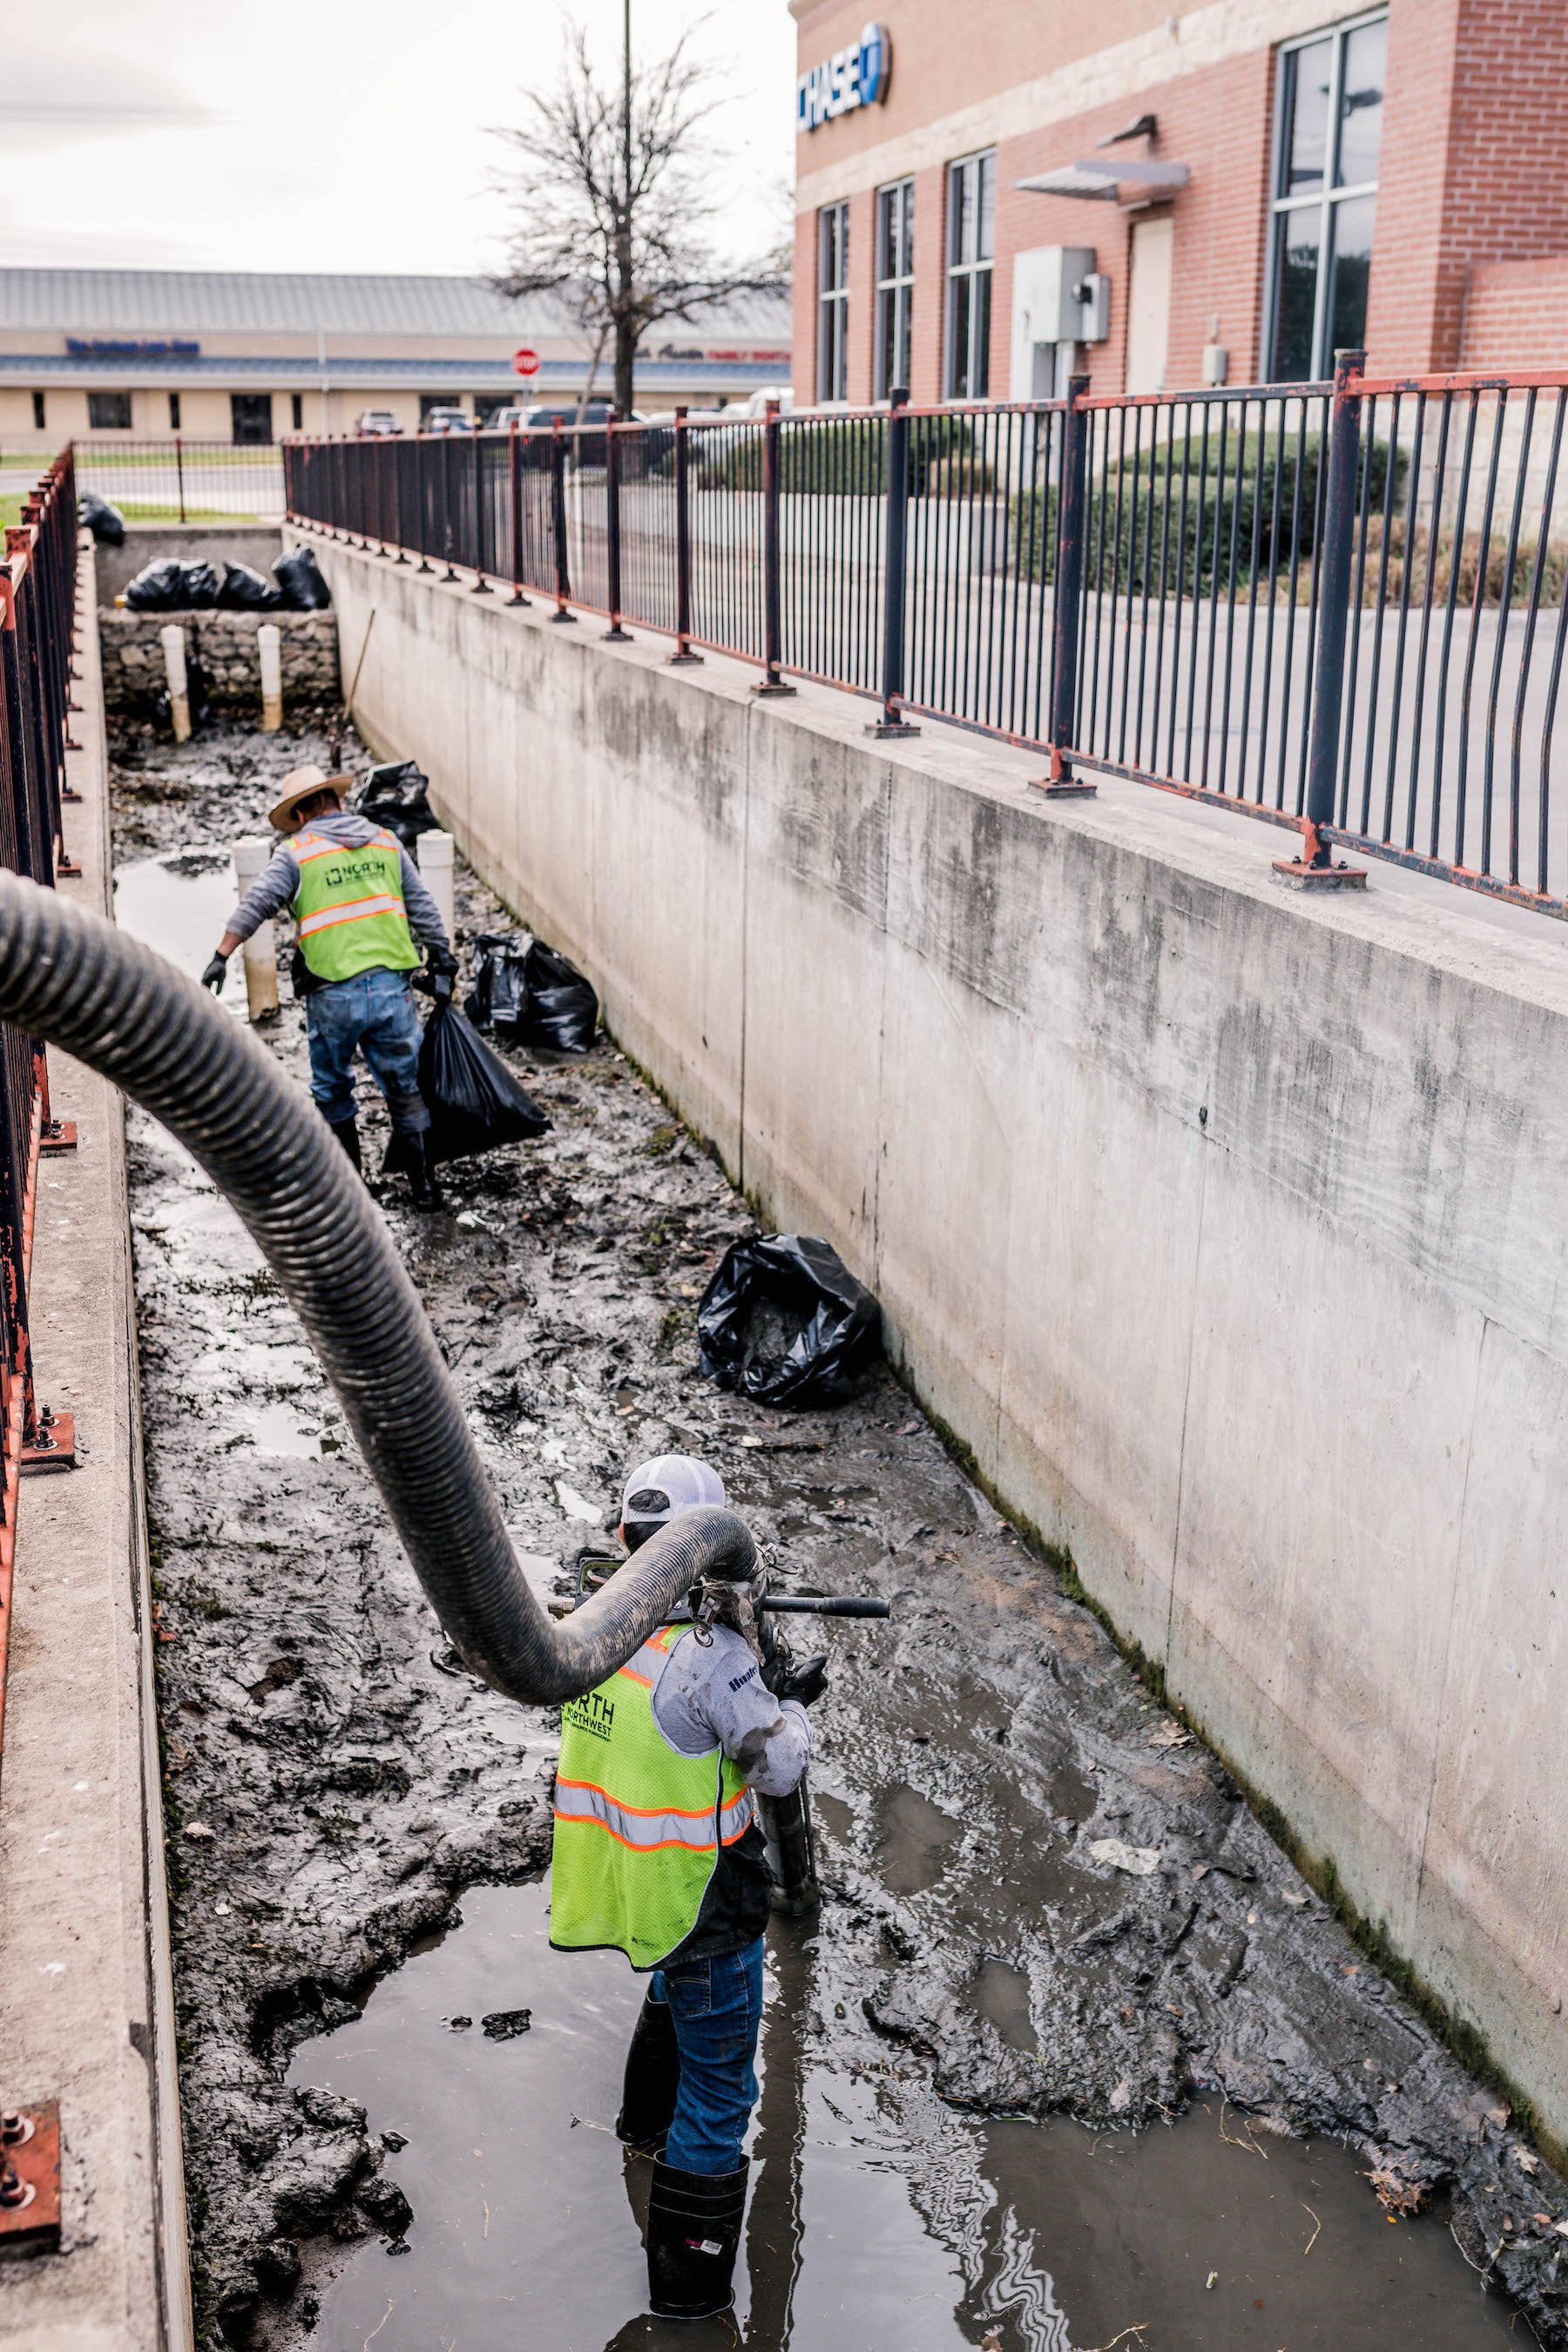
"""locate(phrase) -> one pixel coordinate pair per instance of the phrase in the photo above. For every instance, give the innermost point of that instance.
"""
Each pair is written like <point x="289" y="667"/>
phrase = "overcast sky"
<point x="331" y="134"/>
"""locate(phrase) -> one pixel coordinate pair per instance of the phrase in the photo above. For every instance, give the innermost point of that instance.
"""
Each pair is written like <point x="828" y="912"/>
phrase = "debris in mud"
<point x="506" y="2024"/>
<point x="980" y="1952"/>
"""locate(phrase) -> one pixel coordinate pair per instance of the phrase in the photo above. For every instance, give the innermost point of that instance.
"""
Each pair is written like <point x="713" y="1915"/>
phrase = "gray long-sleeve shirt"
<point x="715" y="1692"/>
<point x="279" y="887"/>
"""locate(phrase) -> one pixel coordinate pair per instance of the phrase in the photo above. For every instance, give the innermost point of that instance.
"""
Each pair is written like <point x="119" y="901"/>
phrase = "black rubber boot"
<point x="693" y="2236"/>
<point x="652" y="2079"/>
<point x="347" y="1132"/>
<point x="421" y="1173"/>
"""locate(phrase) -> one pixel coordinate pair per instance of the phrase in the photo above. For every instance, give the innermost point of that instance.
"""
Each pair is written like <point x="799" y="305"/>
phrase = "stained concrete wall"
<point x="87" y="2004"/>
<point x="1229" y="1229"/>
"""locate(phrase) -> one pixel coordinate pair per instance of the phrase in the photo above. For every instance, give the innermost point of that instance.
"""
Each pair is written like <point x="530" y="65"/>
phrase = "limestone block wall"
<point x="225" y="643"/>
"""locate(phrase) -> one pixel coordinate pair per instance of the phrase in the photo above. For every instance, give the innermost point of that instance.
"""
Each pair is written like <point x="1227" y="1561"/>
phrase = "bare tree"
<point x="611" y="201"/>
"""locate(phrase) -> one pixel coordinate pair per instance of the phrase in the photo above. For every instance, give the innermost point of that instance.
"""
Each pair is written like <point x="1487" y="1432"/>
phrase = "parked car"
<point x="378" y="425"/>
<point x="446" y="420"/>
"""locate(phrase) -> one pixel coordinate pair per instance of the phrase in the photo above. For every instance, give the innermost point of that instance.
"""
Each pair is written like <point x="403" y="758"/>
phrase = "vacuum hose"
<point x="73" y="980"/>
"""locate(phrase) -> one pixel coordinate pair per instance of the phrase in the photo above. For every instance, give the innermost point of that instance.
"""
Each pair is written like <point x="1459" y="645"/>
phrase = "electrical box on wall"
<point x="1060" y="301"/>
<point x="1093" y="296"/>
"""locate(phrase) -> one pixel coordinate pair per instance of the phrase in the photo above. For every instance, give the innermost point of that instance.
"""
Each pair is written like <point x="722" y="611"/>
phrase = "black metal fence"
<point x="1338" y="607"/>
<point x="37" y="606"/>
<point x="177" y="480"/>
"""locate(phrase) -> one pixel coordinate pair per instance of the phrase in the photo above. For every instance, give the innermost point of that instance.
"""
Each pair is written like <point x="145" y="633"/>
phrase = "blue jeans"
<point x="717" y="2007"/>
<point x="373" y="1014"/>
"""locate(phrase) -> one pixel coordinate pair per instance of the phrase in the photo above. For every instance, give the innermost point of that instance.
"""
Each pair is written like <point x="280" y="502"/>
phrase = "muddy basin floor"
<point x="1072" y="2055"/>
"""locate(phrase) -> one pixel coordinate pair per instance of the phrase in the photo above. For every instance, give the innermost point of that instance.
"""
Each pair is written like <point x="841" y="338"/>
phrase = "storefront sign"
<point x="131" y="348"/>
<point x="857" y="76"/>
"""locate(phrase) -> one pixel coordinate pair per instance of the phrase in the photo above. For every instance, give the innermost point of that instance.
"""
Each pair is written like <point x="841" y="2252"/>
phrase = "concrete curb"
<point x="87" y="2004"/>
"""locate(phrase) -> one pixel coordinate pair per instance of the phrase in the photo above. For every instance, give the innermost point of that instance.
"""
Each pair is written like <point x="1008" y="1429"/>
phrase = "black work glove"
<point x="441" y="970"/>
<point x="805" y="1682"/>
<point x="213" y="977"/>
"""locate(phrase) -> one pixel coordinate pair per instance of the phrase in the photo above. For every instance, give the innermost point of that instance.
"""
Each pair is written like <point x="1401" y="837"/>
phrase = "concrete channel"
<point x="1072" y="2057"/>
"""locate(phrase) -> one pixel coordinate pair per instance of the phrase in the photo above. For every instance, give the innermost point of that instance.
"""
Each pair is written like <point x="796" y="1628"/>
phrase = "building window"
<point x="109" y="412"/>
<point x="250" y="414"/>
<point x="296" y="410"/>
<point x="895" y="285"/>
<point x="173" y="412"/>
<point x="970" y="242"/>
<point x="833" y="302"/>
<point x="1328" y="130"/>
<point x="39" y="418"/>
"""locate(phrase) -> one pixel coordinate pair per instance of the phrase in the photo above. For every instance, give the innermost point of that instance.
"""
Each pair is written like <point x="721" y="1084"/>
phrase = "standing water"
<point x="878" y="2216"/>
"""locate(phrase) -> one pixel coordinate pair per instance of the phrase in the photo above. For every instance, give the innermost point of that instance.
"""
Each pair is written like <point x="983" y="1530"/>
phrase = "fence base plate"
<point x="1295" y="874"/>
<point x="68" y="868"/>
<point x="30" y="2148"/>
<point x="55" y="1447"/>
<point x="685" y="661"/>
<point x="58" y="1135"/>
<point x="892" y="730"/>
<point x="767" y="691"/>
<point x="568" y="619"/>
<point x="1069" y="788"/>
<point x="617" y="635"/>
<point x="69" y="792"/>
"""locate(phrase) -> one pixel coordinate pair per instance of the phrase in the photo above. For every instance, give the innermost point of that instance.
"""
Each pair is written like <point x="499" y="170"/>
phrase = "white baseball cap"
<point x="671" y="1483"/>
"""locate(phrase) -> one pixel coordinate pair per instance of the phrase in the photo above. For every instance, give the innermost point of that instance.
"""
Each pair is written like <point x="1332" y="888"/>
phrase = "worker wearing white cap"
<point x="363" y="914"/>
<point x="657" y="1853"/>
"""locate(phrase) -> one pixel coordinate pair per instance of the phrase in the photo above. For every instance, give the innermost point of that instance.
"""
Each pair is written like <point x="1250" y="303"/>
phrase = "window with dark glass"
<point x="173" y="412"/>
<point x="109" y="412"/>
<point x="833" y="302"/>
<point x="1328" y="130"/>
<point x="37" y="412"/>
<point x="296" y="410"/>
<point x="895" y="285"/>
<point x="970" y="243"/>
<point x="250" y="416"/>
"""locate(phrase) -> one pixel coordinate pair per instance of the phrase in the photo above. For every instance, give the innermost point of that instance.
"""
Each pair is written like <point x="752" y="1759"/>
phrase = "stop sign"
<point x="525" y="362"/>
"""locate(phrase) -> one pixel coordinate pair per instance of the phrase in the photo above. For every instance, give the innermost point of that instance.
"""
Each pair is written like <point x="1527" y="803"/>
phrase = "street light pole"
<point x="624" y="361"/>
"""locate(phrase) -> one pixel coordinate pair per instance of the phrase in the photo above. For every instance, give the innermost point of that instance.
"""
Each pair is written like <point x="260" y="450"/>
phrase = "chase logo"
<point x="857" y="76"/>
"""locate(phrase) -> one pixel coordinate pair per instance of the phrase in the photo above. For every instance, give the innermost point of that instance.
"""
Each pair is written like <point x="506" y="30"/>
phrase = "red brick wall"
<point x="1516" y="315"/>
<point x="1473" y="168"/>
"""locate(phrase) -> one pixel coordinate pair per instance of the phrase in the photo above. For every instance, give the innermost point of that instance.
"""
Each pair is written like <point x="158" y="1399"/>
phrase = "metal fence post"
<point x="1072" y="518"/>
<point x="772" y="681"/>
<point x="481" y="586"/>
<point x="683" y="653"/>
<point x="514" y="481"/>
<point x="895" y="568"/>
<point x="1315" y="869"/>
<point x="449" y="506"/>
<point x="399" y="519"/>
<point x="558" y="520"/>
<point x="614" y="633"/>
<point x="180" y="473"/>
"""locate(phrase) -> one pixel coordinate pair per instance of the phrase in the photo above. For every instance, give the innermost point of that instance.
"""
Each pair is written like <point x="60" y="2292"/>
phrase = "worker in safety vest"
<point x="657" y="1853"/>
<point x="361" y="907"/>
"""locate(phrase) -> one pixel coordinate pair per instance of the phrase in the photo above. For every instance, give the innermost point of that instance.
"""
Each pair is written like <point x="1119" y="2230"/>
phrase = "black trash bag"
<point x="158" y="587"/>
<point x="475" y="1103"/>
<point x="562" y="1011"/>
<point x="783" y="1321"/>
<point x="200" y="585"/>
<point x="106" y="523"/>
<point x="298" y="576"/>
<point x="500" y="998"/>
<point x="245" y="590"/>
<point x="395" y="795"/>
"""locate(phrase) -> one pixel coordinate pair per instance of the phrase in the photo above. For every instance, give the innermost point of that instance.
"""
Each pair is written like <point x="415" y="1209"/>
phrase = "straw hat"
<point x="299" y="785"/>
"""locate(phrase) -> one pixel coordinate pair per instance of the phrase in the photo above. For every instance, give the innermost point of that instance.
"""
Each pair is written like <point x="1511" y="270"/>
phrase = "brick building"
<point x="1166" y="191"/>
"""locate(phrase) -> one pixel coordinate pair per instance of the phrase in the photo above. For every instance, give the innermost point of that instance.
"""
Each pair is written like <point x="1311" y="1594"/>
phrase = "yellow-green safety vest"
<point x="638" y="1825"/>
<point x="349" y="907"/>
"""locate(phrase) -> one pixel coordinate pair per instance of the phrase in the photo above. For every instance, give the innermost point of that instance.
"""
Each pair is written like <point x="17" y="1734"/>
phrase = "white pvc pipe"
<point x="251" y="858"/>
<point x="432" y="854"/>
<point x="173" y="640"/>
<point x="269" y="648"/>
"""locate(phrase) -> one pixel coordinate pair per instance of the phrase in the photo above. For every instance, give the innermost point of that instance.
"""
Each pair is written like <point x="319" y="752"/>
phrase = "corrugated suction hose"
<point x="73" y="980"/>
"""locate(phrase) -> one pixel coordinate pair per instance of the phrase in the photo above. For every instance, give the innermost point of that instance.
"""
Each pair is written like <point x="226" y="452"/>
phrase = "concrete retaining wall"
<point x="86" y="2003"/>
<point x="1230" y="1230"/>
<point x="257" y="544"/>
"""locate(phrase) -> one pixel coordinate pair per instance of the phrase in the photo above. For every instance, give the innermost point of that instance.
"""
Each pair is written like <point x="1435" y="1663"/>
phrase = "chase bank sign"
<point x="857" y="76"/>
